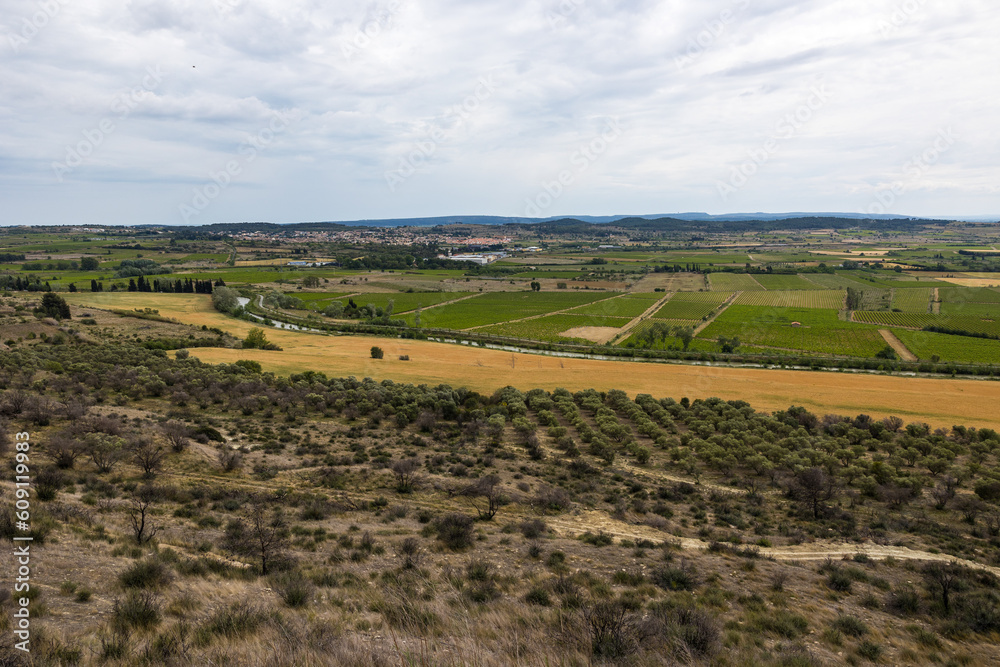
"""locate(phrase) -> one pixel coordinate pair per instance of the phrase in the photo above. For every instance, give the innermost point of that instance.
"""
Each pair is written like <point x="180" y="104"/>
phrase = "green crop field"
<point x="833" y="281"/>
<point x="550" y="327"/>
<point x="971" y="309"/>
<point x="691" y="305"/>
<point x="820" y="331"/>
<point x="918" y="321"/>
<point x="624" y="306"/>
<point x="732" y="282"/>
<point x="912" y="300"/>
<point x="969" y="294"/>
<point x="496" y="307"/>
<point x="793" y="299"/>
<point x="961" y="349"/>
<point x="404" y="301"/>
<point x="783" y="282"/>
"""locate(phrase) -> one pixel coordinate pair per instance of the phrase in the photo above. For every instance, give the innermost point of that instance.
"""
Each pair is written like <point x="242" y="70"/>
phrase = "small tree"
<point x="255" y="340"/>
<point x="105" y="450"/>
<point x="310" y="281"/>
<point x="177" y="434"/>
<point x="225" y="299"/>
<point x="377" y="352"/>
<point x="146" y="455"/>
<point x="55" y="306"/>
<point x="943" y="578"/>
<point x="259" y="533"/>
<point x="488" y="492"/>
<point x="140" y="516"/>
<point x="230" y="459"/>
<point x="405" y="471"/>
<point x="814" y="486"/>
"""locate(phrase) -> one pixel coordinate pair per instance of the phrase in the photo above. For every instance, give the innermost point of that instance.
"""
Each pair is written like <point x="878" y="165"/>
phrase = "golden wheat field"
<point x="939" y="402"/>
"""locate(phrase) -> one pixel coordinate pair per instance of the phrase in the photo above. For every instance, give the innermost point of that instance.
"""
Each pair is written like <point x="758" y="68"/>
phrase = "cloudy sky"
<point x="198" y="111"/>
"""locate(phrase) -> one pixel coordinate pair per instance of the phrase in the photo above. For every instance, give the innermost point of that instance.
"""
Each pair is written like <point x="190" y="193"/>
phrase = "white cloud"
<point x="697" y="87"/>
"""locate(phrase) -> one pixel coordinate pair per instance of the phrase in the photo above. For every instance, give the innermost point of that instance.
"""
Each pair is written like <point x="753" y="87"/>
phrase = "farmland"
<point x="550" y="327"/>
<point x="691" y="305"/>
<point x="817" y="330"/>
<point x="629" y="306"/>
<point x="784" y="282"/>
<point x="732" y="282"/>
<point x="962" y="349"/>
<point x="796" y="299"/>
<point x="912" y="300"/>
<point x="972" y="324"/>
<point x="498" y="307"/>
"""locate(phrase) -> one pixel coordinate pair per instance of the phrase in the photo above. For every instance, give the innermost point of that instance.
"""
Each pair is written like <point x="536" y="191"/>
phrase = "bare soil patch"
<point x="595" y="334"/>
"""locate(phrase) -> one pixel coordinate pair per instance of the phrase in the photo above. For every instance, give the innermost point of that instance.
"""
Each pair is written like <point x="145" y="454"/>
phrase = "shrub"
<point x="533" y="528"/>
<point x="675" y="578"/>
<point x="149" y="573"/>
<point x="139" y="609"/>
<point x="612" y="627"/>
<point x="455" y="531"/>
<point x="234" y="621"/>
<point x="851" y="626"/>
<point x="779" y="622"/>
<point x="377" y="352"/>
<point x="293" y="588"/>
<point x="870" y="650"/>
<point x="539" y="596"/>
<point x="903" y="602"/>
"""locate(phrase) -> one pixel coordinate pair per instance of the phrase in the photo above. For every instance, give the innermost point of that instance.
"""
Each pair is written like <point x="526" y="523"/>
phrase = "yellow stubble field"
<point x="939" y="402"/>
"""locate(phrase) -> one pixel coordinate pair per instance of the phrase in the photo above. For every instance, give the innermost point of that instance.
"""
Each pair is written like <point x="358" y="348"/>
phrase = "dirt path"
<point x="645" y="315"/>
<point x="535" y="317"/>
<point x="721" y="309"/>
<point x="897" y="345"/>
<point x="936" y="302"/>
<point x="570" y="526"/>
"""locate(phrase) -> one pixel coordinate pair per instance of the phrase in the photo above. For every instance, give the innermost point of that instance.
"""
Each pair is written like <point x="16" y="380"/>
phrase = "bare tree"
<point x="146" y="455"/>
<point x="177" y="434"/>
<point x="945" y="578"/>
<point x="486" y="490"/>
<point x="814" y="486"/>
<point x="230" y="459"/>
<point x="406" y="473"/>
<point x="259" y="533"/>
<point x="944" y="491"/>
<point x="140" y="516"/>
<point x="14" y="401"/>
<point x="65" y="450"/>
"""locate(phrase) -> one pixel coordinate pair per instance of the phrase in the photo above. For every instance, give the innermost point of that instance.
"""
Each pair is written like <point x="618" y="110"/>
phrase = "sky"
<point x="202" y="111"/>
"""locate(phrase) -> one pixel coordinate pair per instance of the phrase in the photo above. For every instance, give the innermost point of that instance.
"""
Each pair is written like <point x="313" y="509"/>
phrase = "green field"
<point x="784" y="282"/>
<point x="833" y="281"/>
<point x="630" y="305"/>
<point x="732" y="282"/>
<point x="550" y="327"/>
<point x="793" y="299"/>
<point x="920" y="320"/>
<point x="971" y="309"/>
<point x="496" y="307"/>
<point x="969" y="294"/>
<point x="819" y="330"/>
<point x="404" y="301"/>
<point x="912" y="300"/>
<point x="961" y="349"/>
<point x="691" y="305"/>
